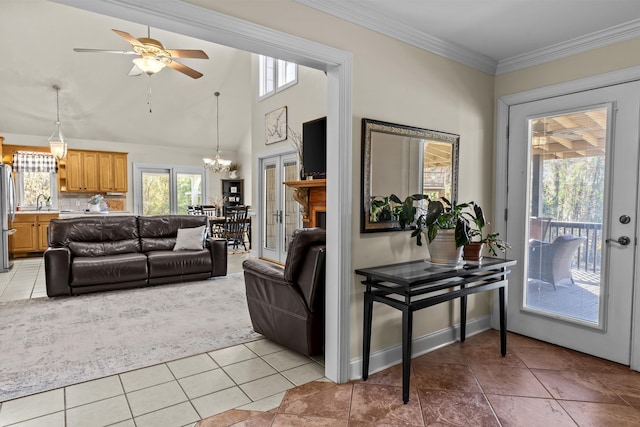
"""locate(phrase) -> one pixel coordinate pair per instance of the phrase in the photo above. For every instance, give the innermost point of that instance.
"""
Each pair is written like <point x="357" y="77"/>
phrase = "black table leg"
<point x="407" y="325"/>
<point x="503" y="321"/>
<point x="366" y="336"/>
<point x="463" y="318"/>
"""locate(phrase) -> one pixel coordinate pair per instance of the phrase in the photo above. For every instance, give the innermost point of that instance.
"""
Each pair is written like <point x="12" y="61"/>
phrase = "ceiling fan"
<point x="152" y="55"/>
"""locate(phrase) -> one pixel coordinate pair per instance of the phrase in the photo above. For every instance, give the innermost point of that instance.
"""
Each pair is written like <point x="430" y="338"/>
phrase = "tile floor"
<point x="467" y="384"/>
<point x="262" y="384"/>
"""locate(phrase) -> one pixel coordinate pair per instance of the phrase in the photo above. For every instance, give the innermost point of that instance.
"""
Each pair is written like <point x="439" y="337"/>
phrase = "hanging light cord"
<point x="217" y="94"/>
<point x="57" y="88"/>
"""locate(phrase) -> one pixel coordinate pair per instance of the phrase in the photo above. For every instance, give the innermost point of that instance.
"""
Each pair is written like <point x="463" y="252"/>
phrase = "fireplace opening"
<point x="321" y="220"/>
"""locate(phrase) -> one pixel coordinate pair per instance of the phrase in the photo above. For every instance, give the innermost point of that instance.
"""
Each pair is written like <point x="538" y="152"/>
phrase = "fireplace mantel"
<point x="312" y="196"/>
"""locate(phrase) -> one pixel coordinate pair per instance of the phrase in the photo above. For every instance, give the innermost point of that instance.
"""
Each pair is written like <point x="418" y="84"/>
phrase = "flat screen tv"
<point x="314" y="148"/>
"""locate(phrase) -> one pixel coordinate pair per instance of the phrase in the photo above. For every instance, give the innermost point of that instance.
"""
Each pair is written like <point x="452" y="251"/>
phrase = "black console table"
<point x="414" y="281"/>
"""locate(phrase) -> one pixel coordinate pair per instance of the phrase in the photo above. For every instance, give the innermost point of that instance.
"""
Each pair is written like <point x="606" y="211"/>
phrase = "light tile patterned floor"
<point x="252" y="376"/>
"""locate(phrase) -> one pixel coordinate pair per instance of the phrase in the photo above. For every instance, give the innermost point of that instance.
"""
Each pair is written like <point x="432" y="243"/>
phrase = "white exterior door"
<point x="572" y="219"/>
<point x="280" y="213"/>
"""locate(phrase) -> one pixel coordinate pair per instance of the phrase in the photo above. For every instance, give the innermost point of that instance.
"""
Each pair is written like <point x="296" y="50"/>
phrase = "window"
<point x="275" y="75"/>
<point x="33" y="184"/>
<point x="36" y="180"/>
<point x="165" y="190"/>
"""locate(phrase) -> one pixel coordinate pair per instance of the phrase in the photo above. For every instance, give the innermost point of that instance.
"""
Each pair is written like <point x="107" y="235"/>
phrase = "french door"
<point x="572" y="219"/>
<point x="280" y="213"/>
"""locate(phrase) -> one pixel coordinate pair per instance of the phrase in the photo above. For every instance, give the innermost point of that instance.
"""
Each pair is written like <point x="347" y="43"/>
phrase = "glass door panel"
<point x="155" y="193"/>
<point x="566" y="202"/>
<point x="291" y="207"/>
<point x="189" y="191"/>
<point x="270" y="207"/>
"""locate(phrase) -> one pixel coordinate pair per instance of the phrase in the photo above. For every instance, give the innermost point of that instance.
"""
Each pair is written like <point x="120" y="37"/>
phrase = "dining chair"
<point x="235" y="226"/>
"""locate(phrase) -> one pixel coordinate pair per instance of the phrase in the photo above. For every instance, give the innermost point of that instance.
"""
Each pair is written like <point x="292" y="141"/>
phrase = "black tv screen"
<point x="314" y="148"/>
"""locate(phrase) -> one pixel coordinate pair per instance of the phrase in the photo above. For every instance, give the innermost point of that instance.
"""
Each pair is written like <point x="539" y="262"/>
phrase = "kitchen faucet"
<point x="38" y="202"/>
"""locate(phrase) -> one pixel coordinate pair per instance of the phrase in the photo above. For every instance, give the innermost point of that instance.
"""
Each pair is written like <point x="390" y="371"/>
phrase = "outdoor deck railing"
<point x="589" y="254"/>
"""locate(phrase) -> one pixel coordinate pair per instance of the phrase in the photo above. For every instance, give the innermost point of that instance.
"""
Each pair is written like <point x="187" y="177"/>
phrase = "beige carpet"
<point x="50" y="343"/>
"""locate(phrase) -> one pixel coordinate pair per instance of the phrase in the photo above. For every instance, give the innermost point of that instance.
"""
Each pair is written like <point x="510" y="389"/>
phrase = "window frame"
<point x="275" y="79"/>
<point x="20" y="192"/>
<point x="139" y="168"/>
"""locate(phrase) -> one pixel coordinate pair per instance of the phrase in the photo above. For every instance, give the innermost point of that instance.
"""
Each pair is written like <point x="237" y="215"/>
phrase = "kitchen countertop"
<point x="71" y="214"/>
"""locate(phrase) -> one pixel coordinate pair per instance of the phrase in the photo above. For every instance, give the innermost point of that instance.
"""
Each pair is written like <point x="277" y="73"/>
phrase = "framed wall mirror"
<point x="403" y="160"/>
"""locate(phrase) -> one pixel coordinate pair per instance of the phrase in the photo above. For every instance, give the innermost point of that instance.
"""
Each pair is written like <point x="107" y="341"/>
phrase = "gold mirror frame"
<point x="375" y="129"/>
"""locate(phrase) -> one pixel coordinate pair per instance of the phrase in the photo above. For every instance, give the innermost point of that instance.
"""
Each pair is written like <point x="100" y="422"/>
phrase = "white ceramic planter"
<point x="443" y="248"/>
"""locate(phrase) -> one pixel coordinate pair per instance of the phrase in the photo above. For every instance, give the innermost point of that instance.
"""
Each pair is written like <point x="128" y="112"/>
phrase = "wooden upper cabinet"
<point x="113" y="172"/>
<point x="120" y="180"/>
<point x="95" y="171"/>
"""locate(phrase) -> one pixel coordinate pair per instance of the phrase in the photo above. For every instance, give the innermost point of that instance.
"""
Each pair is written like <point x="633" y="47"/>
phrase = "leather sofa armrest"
<point x="218" y="248"/>
<point x="57" y="267"/>
<point x="265" y="270"/>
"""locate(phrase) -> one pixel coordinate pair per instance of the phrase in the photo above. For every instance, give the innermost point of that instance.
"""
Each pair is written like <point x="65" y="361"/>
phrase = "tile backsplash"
<point x="78" y="201"/>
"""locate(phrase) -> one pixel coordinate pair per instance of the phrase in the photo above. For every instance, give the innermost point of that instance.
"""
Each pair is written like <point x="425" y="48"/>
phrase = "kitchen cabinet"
<point x="93" y="172"/>
<point x="81" y="171"/>
<point x="25" y="239"/>
<point x="113" y="172"/>
<point x="31" y="233"/>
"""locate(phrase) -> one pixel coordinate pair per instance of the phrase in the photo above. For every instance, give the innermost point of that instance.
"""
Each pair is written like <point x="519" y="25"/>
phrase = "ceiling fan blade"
<point x="135" y="71"/>
<point x="128" y="37"/>
<point x="187" y="53"/>
<point x="185" y="70"/>
<point x="122" y="52"/>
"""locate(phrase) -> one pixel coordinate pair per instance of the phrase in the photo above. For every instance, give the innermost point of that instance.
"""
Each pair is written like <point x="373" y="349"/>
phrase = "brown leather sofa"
<point x="286" y="304"/>
<point x="100" y="253"/>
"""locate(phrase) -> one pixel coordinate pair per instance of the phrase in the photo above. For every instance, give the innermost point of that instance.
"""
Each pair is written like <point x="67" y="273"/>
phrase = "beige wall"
<point x="395" y="82"/>
<point x="598" y="61"/>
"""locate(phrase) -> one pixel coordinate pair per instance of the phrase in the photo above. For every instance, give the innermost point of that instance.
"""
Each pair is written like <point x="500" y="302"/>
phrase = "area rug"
<point x="50" y="343"/>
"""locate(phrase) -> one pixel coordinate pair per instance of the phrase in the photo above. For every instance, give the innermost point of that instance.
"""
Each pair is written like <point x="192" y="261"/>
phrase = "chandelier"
<point x="57" y="145"/>
<point x="217" y="164"/>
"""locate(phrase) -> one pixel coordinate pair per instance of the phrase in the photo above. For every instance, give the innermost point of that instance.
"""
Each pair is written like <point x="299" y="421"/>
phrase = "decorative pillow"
<point x="190" y="239"/>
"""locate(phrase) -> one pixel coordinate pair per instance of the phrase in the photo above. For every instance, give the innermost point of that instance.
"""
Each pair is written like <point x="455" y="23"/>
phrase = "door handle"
<point x="622" y="240"/>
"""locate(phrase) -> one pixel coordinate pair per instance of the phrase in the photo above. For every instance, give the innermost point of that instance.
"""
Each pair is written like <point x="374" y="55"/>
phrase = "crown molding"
<point x="455" y="52"/>
<point x="399" y="31"/>
<point x="609" y="36"/>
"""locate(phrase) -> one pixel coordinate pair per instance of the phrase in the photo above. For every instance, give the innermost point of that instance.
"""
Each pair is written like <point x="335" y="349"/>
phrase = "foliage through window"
<point x="167" y="190"/>
<point x="275" y="75"/>
<point x="33" y="184"/>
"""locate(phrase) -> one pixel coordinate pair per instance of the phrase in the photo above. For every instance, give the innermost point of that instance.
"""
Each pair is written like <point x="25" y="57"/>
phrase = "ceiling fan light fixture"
<point x="149" y="64"/>
<point x="217" y="164"/>
<point x="57" y="144"/>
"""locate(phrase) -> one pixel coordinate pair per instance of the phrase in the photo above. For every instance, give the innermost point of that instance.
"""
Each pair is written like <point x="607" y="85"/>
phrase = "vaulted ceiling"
<point x="98" y="100"/>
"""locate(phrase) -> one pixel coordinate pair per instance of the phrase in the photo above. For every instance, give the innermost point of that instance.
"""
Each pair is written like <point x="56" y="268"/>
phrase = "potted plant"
<point x="233" y="170"/>
<point x="443" y="222"/>
<point x="478" y="238"/>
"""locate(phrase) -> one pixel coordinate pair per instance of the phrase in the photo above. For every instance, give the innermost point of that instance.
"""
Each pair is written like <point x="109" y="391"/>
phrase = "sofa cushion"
<point x="159" y="233"/>
<point x="86" y="271"/>
<point x="104" y="248"/>
<point x="190" y="239"/>
<point x="92" y="229"/>
<point x="178" y="263"/>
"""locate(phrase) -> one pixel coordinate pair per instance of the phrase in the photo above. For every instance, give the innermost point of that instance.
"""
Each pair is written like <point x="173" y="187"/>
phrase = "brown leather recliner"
<point x="286" y="304"/>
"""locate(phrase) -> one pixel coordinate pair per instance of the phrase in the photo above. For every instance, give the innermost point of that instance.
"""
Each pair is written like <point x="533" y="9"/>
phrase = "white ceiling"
<point x="495" y="35"/>
<point x="100" y="102"/>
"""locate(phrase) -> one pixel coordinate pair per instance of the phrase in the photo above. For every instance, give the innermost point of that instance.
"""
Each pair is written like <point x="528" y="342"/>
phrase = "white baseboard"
<point x="390" y="356"/>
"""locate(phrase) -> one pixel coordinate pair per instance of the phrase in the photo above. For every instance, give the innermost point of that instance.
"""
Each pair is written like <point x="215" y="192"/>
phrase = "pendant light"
<point x="217" y="164"/>
<point x="57" y="144"/>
